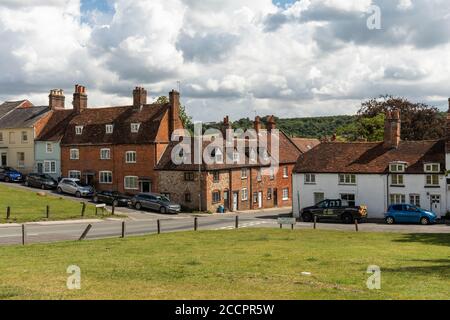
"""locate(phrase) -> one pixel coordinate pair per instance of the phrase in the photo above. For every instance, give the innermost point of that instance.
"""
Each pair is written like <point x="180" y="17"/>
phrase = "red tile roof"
<point x="367" y="157"/>
<point x="305" y="144"/>
<point x="56" y="125"/>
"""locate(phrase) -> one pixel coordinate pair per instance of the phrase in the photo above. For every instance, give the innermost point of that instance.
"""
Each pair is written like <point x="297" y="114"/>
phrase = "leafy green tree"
<point x="185" y="118"/>
<point x="364" y="128"/>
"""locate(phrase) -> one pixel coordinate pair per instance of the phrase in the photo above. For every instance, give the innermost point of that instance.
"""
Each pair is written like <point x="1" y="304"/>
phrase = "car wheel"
<point x="27" y="184"/>
<point x="138" y="206"/>
<point x="424" y="221"/>
<point x="115" y="203"/>
<point x="307" y="217"/>
<point x="78" y="194"/>
<point x="59" y="190"/>
<point x="95" y="199"/>
<point x="7" y="179"/>
<point x="390" y="220"/>
<point x="163" y="210"/>
<point x="347" y="218"/>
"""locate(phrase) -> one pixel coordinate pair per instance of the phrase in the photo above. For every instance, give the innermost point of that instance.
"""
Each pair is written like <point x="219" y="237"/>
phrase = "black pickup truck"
<point x="336" y="210"/>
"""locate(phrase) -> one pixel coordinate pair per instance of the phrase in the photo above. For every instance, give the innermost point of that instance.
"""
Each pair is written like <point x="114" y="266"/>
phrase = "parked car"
<point x="155" y="202"/>
<point x="75" y="187"/>
<point x="111" y="197"/>
<point x="9" y="174"/>
<point x="334" y="209"/>
<point x="43" y="181"/>
<point x="406" y="213"/>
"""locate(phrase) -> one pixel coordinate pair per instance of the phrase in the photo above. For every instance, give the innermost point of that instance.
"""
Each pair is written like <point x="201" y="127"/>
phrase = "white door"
<point x="260" y="204"/>
<point x="436" y="204"/>
<point x="235" y="201"/>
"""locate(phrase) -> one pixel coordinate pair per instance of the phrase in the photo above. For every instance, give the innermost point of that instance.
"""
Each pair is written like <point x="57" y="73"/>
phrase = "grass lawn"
<point x="244" y="264"/>
<point x="28" y="206"/>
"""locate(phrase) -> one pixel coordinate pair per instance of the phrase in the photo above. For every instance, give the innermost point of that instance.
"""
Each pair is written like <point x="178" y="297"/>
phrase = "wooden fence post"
<point x="47" y="214"/>
<point x="24" y="234"/>
<point x="158" y="223"/>
<point x="236" y="223"/>
<point x="123" y="229"/>
<point x="85" y="233"/>
<point x="83" y="209"/>
<point x="113" y="209"/>
<point x="195" y="224"/>
<point x="8" y="213"/>
<point x="315" y="222"/>
<point x="356" y="225"/>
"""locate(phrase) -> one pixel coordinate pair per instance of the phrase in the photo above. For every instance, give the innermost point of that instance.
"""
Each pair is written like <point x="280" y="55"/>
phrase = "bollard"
<point x="356" y="225"/>
<point x="158" y="223"/>
<point x="24" y="234"/>
<point x="8" y="213"/>
<point x="236" y="223"/>
<point x="315" y="222"/>
<point x="123" y="229"/>
<point x="83" y="209"/>
<point x="195" y="224"/>
<point x="113" y="208"/>
<point x="47" y="214"/>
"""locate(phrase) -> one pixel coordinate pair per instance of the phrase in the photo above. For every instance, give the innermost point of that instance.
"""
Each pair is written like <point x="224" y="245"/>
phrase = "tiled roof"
<point x="94" y="121"/>
<point x="23" y="117"/>
<point x="368" y="157"/>
<point x="9" y="106"/>
<point x="56" y="125"/>
<point x="305" y="144"/>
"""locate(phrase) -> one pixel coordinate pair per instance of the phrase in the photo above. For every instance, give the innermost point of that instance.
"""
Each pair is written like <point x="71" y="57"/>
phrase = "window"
<point x="255" y="197"/>
<point x="135" y="127"/>
<point x="269" y="194"/>
<point x="397" y="180"/>
<point x="318" y="197"/>
<point x="285" y="172"/>
<point x="109" y="128"/>
<point x="1" y="137"/>
<point x="432" y="168"/>
<point x="259" y="175"/>
<point x="244" y="194"/>
<point x="310" y="178"/>
<point x="188" y="176"/>
<point x="253" y="155"/>
<point x="235" y="156"/>
<point x="24" y="137"/>
<point x="130" y="157"/>
<point x="75" y="174"/>
<point x="106" y="177"/>
<point x="414" y="199"/>
<point x="244" y="173"/>
<point x="167" y="195"/>
<point x="216" y="196"/>
<point x="20" y="159"/>
<point x="272" y="174"/>
<point x="49" y="147"/>
<point x="218" y="156"/>
<point x="347" y="179"/>
<point x="216" y="176"/>
<point x="349" y="199"/>
<point x="49" y="166"/>
<point x="397" y="167"/>
<point x="12" y="138"/>
<point x="187" y="197"/>
<point x="432" y="180"/>
<point x="286" y="194"/>
<point x="397" y="199"/>
<point x="78" y="130"/>
<point x="74" y="154"/>
<point x="105" y="154"/>
<point x="131" y="183"/>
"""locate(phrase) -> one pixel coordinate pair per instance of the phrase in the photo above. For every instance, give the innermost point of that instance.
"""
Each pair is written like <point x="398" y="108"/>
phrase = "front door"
<point x="145" y="187"/>
<point x="436" y="204"/>
<point x="275" y="197"/>
<point x="260" y="200"/>
<point x="40" y="168"/>
<point x="4" y="160"/>
<point x="90" y="180"/>
<point x="226" y="199"/>
<point x="235" y="201"/>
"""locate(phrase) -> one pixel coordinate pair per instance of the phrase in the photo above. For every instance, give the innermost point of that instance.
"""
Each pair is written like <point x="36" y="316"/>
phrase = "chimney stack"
<point x="257" y="124"/>
<point x="226" y="126"/>
<point x="79" y="99"/>
<point x="392" y="129"/>
<point x="174" y="112"/>
<point x="447" y="129"/>
<point x="56" y="99"/>
<point x="139" y="97"/>
<point x="271" y="125"/>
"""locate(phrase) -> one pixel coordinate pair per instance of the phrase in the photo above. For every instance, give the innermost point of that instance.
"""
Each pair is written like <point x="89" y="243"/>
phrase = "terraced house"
<point x="20" y="123"/>
<point x="246" y="185"/>
<point x="117" y="148"/>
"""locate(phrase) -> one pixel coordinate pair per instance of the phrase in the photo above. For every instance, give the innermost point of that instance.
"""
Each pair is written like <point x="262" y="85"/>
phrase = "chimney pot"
<point x="392" y="129"/>
<point x="139" y="98"/>
<point x="257" y="124"/>
<point x="79" y="99"/>
<point x="56" y="99"/>
<point x="174" y="112"/>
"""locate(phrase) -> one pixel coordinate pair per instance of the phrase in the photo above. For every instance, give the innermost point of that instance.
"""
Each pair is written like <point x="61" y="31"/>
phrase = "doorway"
<point x="90" y="179"/>
<point x="4" y="159"/>
<point x="226" y="200"/>
<point x="275" y="197"/>
<point x="260" y="199"/>
<point x="146" y="186"/>
<point x="436" y="203"/>
<point x="235" y="201"/>
<point x="40" y="168"/>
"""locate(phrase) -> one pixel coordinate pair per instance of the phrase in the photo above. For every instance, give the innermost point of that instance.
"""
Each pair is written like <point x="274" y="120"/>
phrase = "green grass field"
<point x="244" y="264"/>
<point x="28" y="206"/>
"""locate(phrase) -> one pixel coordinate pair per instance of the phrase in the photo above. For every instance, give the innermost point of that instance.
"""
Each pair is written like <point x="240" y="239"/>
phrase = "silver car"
<point x="75" y="187"/>
<point x="155" y="202"/>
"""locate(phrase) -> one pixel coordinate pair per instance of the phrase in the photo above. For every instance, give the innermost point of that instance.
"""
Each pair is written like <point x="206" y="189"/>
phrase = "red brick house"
<point x="235" y="186"/>
<point x="117" y="148"/>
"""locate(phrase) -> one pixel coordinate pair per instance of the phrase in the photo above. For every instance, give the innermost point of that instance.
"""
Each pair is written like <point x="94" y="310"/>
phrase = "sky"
<point x="236" y="57"/>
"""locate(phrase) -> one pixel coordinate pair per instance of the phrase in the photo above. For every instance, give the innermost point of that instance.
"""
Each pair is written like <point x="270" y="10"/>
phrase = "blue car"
<point x="8" y="174"/>
<point x="406" y="213"/>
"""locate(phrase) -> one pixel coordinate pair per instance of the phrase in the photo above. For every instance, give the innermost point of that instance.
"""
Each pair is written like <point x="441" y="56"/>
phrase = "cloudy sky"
<point x="236" y="57"/>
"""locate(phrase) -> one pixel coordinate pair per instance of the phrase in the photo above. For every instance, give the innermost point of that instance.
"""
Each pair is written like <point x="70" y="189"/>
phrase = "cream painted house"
<point x="20" y="124"/>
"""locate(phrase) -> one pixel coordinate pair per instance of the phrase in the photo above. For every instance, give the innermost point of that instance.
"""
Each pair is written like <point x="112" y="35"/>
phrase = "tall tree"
<point x="366" y="128"/>
<point x="419" y="121"/>
<point x="185" y="118"/>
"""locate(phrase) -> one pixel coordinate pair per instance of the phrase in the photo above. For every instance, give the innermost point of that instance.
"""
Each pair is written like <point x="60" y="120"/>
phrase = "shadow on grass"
<point x="442" y="239"/>
<point x="437" y="267"/>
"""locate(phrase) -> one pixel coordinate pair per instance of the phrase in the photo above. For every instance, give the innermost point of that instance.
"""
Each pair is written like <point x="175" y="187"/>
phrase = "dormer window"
<point x="79" y="130"/>
<point x="235" y="156"/>
<point x="109" y="128"/>
<point x="218" y="156"/>
<point x="432" y="168"/>
<point x="397" y="167"/>
<point x="135" y="127"/>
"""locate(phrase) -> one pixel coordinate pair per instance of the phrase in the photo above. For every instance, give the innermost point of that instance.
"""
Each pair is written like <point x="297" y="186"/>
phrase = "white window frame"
<point x="79" y="130"/>
<point x="244" y="194"/>
<point x="51" y="165"/>
<point x="285" y="194"/>
<point x="107" y="156"/>
<point x="101" y="175"/>
<point x="397" y="198"/>
<point x="20" y="163"/>
<point x="346" y="179"/>
<point x="1" y="137"/>
<point x="415" y="200"/>
<point x="74" y="174"/>
<point x="128" y="187"/>
<point x="432" y="167"/>
<point x="77" y="151"/>
<point x="398" y="180"/>
<point x="285" y="172"/>
<point x="244" y="173"/>
<point x="135" y="127"/>
<point x="236" y="156"/>
<point x="24" y="134"/>
<point x="310" y="178"/>
<point x="109" y="128"/>
<point x="47" y="149"/>
<point x="346" y="195"/>
<point x="129" y="153"/>
<point x="432" y="177"/>
<point x="259" y="175"/>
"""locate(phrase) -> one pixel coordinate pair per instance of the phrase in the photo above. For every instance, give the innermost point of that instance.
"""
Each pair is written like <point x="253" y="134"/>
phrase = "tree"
<point x="370" y="129"/>
<point x="185" y="118"/>
<point x="419" y="121"/>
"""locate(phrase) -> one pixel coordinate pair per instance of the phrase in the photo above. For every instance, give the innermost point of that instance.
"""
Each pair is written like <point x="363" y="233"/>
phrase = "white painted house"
<point x="375" y="174"/>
